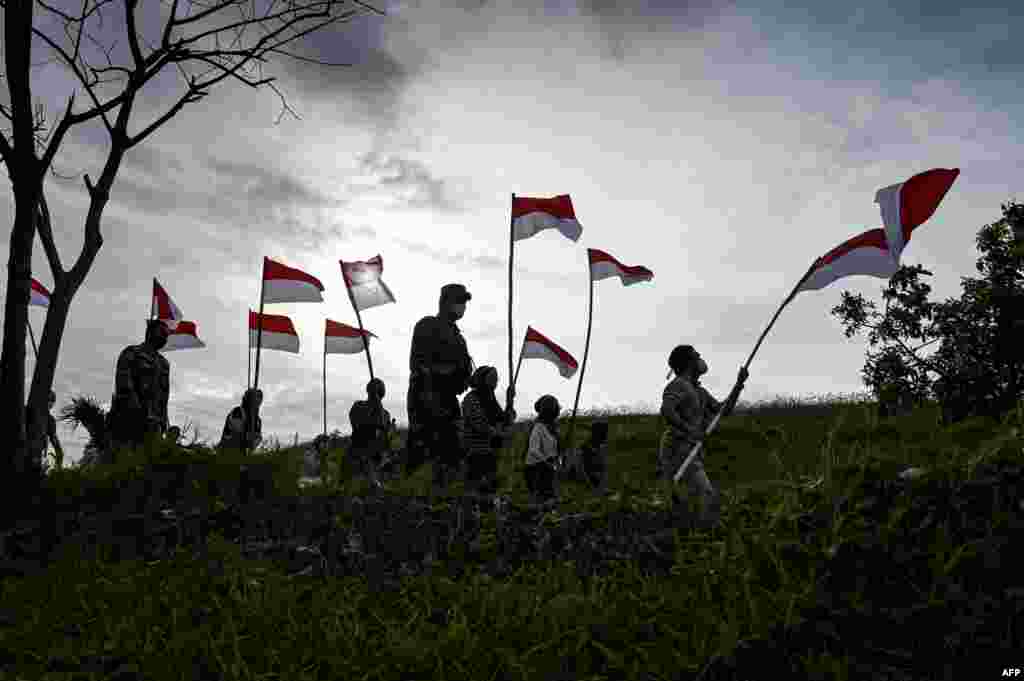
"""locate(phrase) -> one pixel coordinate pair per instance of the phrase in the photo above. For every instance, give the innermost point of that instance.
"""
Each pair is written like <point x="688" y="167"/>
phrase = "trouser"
<point x="695" y="478"/>
<point x="482" y="470"/>
<point x="540" y="479"/>
<point x="435" y="435"/>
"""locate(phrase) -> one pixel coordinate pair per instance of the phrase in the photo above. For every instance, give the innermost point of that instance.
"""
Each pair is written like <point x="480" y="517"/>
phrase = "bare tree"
<point x="104" y="47"/>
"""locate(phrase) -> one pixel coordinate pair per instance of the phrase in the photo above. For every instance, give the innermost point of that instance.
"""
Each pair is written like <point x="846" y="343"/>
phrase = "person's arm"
<point x="672" y="403"/>
<point x="124" y="381"/>
<point x="164" y="420"/>
<point x="534" y="449"/>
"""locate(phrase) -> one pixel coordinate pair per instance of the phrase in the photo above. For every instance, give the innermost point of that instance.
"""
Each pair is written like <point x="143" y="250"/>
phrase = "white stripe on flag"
<point x="290" y="291"/>
<point x="271" y="340"/>
<point x="343" y="345"/>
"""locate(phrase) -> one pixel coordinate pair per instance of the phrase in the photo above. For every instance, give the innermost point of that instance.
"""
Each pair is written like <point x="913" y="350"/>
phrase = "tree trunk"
<point x="46" y="367"/>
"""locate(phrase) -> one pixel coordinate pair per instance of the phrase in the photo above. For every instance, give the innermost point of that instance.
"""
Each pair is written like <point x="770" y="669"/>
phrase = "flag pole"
<point x="511" y="252"/>
<point x="259" y="325"/>
<point x="515" y="377"/>
<point x="586" y="350"/>
<point x="718" y="416"/>
<point x="359" y="318"/>
<point x="325" y="378"/>
<point x="32" y="337"/>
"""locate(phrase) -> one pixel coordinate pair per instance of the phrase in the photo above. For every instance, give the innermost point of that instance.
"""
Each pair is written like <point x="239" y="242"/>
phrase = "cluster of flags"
<point x="876" y="252"/>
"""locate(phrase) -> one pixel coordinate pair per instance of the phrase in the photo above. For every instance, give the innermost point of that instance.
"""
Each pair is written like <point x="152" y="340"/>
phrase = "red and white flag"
<point x="604" y="266"/>
<point x="363" y="281"/>
<point x="531" y="215"/>
<point x="866" y="254"/>
<point x="537" y="346"/>
<point x="344" y="339"/>
<point x="163" y="308"/>
<point x="40" y="296"/>
<point x="183" y="337"/>
<point x="907" y="205"/>
<point x="283" y="284"/>
<point x="278" y="333"/>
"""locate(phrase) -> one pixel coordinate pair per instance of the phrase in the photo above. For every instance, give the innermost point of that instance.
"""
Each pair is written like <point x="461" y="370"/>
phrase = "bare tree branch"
<point x="133" y="36"/>
<point x="45" y="230"/>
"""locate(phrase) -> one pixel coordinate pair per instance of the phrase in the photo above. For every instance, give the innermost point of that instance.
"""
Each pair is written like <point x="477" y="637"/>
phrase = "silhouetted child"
<point x="542" y="450"/>
<point x="594" y="456"/>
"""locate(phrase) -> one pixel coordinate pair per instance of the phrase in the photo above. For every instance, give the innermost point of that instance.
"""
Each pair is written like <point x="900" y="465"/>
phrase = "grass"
<point x="776" y="463"/>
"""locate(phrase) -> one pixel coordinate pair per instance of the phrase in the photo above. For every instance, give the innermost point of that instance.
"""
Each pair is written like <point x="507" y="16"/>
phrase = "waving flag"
<point x="531" y="215"/>
<point x="364" y="282"/>
<point x="344" y="339"/>
<point x="183" y="337"/>
<point x="604" y="266"/>
<point x="866" y="254"/>
<point x="537" y="346"/>
<point x="283" y="284"/>
<point x="163" y="308"/>
<point x="907" y="205"/>
<point x="40" y="296"/>
<point x="278" y="332"/>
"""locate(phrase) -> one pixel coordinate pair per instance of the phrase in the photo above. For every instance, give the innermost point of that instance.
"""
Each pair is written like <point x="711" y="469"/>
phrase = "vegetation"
<point x="826" y="565"/>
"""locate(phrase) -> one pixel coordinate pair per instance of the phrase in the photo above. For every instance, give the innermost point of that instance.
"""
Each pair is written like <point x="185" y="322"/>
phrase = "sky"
<point x="723" y="145"/>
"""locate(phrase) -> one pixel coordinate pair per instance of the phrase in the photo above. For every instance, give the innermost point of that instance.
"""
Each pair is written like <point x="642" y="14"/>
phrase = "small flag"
<point x="184" y="337"/>
<point x="283" y="284"/>
<point x="163" y="308"/>
<point x="363" y="280"/>
<point x="531" y="215"/>
<point x="278" y="333"/>
<point x="343" y="339"/>
<point x="539" y="347"/>
<point x="40" y="296"/>
<point x="866" y="254"/>
<point x="907" y="205"/>
<point x="604" y="266"/>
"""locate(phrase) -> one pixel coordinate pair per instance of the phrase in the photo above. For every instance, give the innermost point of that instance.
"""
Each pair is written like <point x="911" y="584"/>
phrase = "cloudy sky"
<point x="724" y="145"/>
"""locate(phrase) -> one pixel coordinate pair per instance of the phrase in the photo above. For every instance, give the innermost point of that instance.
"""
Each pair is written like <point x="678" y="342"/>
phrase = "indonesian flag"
<point x="283" y="284"/>
<point x="278" y="333"/>
<point x="530" y="215"/>
<point x="40" y="296"/>
<point x="184" y="337"/>
<point x="537" y="346"/>
<point x="604" y="266"/>
<point x="364" y="283"/>
<point x="906" y="205"/>
<point x="866" y="254"/>
<point x="344" y="339"/>
<point x="163" y="307"/>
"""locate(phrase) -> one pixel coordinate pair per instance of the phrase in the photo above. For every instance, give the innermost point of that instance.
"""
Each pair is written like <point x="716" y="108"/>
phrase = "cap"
<point x="455" y="293"/>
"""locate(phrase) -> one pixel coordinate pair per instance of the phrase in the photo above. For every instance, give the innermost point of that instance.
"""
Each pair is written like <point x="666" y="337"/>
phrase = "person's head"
<point x="685" y="361"/>
<point x="599" y="431"/>
<point x="157" y="333"/>
<point x="375" y="389"/>
<point x="484" y="378"/>
<point x="547" y="408"/>
<point x="453" y="300"/>
<point x="53" y="399"/>
<point x="252" y="399"/>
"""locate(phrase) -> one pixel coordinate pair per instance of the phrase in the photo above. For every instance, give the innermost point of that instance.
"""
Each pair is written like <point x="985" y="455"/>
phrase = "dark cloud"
<point x="620" y="21"/>
<point x="408" y="181"/>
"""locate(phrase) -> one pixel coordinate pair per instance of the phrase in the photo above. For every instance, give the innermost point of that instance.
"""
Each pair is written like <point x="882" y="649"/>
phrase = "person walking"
<point x="486" y="427"/>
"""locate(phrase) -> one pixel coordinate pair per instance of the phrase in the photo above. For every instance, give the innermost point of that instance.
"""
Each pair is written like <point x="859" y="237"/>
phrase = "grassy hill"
<point x="827" y="565"/>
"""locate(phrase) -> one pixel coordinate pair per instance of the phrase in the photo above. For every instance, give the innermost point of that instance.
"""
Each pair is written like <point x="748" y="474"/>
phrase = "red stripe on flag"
<point x="186" y="328"/>
<point x="922" y="194"/>
<point x="39" y="288"/>
<point x="558" y="206"/>
<point x="872" y="238"/>
<point x="275" y="270"/>
<point x="339" y="330"/>
<point x="273" y="322"/>
<point x="533" y="336"/>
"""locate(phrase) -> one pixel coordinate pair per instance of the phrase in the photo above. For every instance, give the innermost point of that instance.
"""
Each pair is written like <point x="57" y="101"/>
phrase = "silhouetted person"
<point x="243" y="428"/>
<point x="142" y="385"/>
<point x="542" y="451"/>
<point x="486" y="426"/>
<point x="440" y="368"/>
<point x="371" y="427"/>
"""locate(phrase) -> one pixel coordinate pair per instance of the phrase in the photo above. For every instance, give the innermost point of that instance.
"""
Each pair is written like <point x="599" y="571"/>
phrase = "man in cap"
<point x="688" y="408"/>
<point x="440" y="368"/>
<point x="141" y="389"/>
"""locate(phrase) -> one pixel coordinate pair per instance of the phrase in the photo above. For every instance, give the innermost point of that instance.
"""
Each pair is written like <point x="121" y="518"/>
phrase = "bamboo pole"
<point x="718" y="416"/>
<point x="586" y="350"/>
<point x="259" y="326"/>
<point x="359" y="318"/>
<point x="511" y="253"/>
<point x="325" y="380"/>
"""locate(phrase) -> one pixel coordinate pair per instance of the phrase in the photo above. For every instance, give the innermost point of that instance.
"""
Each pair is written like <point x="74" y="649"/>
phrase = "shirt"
<point x="693" y="405"/>
<point x="543" y="446"/>
<point x="369" y="423"/>
<point x="143" y="374"/>
<point x="437" y="344"/>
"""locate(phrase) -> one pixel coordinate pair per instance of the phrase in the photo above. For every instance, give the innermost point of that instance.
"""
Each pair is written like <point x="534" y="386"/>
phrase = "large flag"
<point x="344" y="339"/>
<point x="278" y="333"/>
<point x="604" y="266"/>
<point x="163" y="308"/>
<point x="537" y="346"/>
<point x="184" y="337"/>
<point x="866" y="254"/>
<point x="531" y="215"/>
<point x="907" y="205"/>
<point x="283" y="284"/>
<point x="40" y="296"/>
<point x="363" y="280"/>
